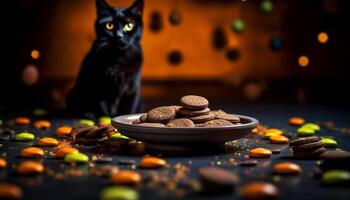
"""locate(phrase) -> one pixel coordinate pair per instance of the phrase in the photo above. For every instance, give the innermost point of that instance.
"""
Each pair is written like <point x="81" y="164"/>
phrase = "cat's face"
<point x="120" y="27"/>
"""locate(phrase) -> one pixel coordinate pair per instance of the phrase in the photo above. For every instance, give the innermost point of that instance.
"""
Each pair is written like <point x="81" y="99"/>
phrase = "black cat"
<point x="110" y="77"/>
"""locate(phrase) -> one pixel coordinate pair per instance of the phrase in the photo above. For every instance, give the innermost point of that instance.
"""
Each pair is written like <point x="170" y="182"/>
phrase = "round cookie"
<point x="309" y="146"/>
<point x="161" y="114"/>
<point x="217" y="122"/>
<point x="187" y="112"/>
<point x="180" y="123"/>
<point x="193" y="102"/>
<point x="226" y="116"/>
<point x="155" y="125"/>
<point x="202" y="118"/>
<point x="304" y="140"/>
<point x="309" y="154"/>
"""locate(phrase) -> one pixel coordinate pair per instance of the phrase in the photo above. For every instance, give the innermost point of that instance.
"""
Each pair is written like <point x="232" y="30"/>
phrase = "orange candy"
<point x="287" y="168"/>
<point x="273" y="130"/>
<point x="32" y="152"/>
<point x="42" y="124"/>
<point x="30" y="167"/>
<point x="260" y="190"/>
<point x="3" y="163"/>
<point x="126" y="177"/>
<point x="152" y="162"/>
<point x="64" y="130"/>
<point x="22" y="120"/>
<point x="296" y="121"/>
<point x="279" y="139"/>
<point x="10" y="191"/>
<point x="62" y="152"/>
<point x="47" y="142"/>
<point x="260" y="153"/>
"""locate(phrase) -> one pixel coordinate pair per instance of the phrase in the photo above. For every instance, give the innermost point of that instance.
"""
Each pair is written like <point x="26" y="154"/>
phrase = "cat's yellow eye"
<point x="128" y="27"/>
<point x="109" y="26"/>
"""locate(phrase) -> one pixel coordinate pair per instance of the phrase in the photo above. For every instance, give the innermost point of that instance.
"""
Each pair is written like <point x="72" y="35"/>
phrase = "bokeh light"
<point x="322" y="37"/>
<point x="303" y="61"/>
<point x="30" y="75"/>
<point x="35" y="54"/>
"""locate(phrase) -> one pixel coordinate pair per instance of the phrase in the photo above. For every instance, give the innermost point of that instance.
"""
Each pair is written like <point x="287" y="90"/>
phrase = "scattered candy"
<point x="62" y="152"/>
<point x="329" y="142"/>
<point x="10" y="191"/>
<point x="260" y="190"/>
<point x="64" y="130"/>
<point x="42" y="124"/>
<point x="22" y="120"/>
<point x="273" y="131"/>
<point x="87" y="122"/>
<point x="312" y="126"/>
<point x="336" y="177"/>
<point x="119" y="193"/>
<point x="126" y="177"/>
<point x="30" y="167"/>
<point x="215" y="179"/>
<point x="279" y="139"/>
<point x="296" y="121"/>
<point x="287" y="168"/>
<point x="47" y="142"/>
<point x="260" y="153"/>
<point x="104" y="120"/>
<point x="118" y="136"/>
<point x="32" y="152"/>
<point x="305" y="131"/>
<point x="152" y="162"/>
<point x="25" y="136"/>
<point x="76" y="158"/>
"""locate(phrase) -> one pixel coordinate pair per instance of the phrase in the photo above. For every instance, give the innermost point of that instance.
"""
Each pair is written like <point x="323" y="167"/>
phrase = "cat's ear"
<point x="137" y="7"/>
<point x="102" y="7"/>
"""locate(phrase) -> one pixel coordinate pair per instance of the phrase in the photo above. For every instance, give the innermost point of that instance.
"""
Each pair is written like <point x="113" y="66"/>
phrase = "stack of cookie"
<point x="307" y="147"/>
<point x="193" y="112"/>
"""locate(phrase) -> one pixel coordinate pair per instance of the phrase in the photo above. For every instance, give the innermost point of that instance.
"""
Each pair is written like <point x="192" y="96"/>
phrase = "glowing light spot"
<point x="30" y="75"/>
<point x="322" y="37"/>
<point x="35" y="54"/>
<point x="303" y="61"/>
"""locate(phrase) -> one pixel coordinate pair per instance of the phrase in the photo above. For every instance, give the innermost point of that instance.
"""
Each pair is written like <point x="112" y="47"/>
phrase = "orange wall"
<point x="71" y="34"/>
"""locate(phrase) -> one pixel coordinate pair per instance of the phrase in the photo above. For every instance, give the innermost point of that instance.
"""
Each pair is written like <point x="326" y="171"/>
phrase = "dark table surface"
<point x="303" y="186"/>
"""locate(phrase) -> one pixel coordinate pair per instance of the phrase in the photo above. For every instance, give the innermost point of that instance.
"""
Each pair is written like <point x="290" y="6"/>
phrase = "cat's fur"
<point x="110" y="76"/>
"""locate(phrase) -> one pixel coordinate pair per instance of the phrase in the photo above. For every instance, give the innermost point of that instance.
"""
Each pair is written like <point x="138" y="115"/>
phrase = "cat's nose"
<point x="119" y="34"/>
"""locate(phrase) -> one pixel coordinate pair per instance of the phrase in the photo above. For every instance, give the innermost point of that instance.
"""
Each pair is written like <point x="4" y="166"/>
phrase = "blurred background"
<point x="276" y="51"/>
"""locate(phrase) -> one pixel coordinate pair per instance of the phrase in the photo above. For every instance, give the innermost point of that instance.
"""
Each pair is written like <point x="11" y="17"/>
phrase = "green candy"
<point x="76" y="158"/>
<point x="312" y="126"/>
<point x="266" y="6"/>
<point x="105" y="120"/>
<point x="86" y="122"/>
<point x="329" y="142"/>
<point x="238" y="26"/>
<point x="304" y="131"/>
<point x="118" y="136"/>
<point x="40" y="112"/>
<point x="1" y="122"/>
<point x="25" y="136"/>
<point x="119" y="193"/>
<point x="336" y="176"/>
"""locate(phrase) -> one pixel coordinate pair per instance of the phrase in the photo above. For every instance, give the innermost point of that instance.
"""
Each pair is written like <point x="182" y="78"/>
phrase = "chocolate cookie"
<point x="156" y="125"/>
<point x="193" y="102"/>
<point x="202" y="118"/>
<point x="335" y="160"/>
<point x="161" y="114"/>
<point x="177" y="108"/>
<point x="179" y="123"/>
<point x="308" y="146"/>
<point x="217" y="122"/>
<point x="229" y="117"/>
<point x="309" y="154"/>
<point x="215" y="179"/>
<point x="187" y="112"/>
<point x="304" y="140"/>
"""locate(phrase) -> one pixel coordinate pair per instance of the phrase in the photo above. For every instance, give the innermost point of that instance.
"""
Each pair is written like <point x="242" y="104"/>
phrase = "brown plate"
<point x="178" y="139"/>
